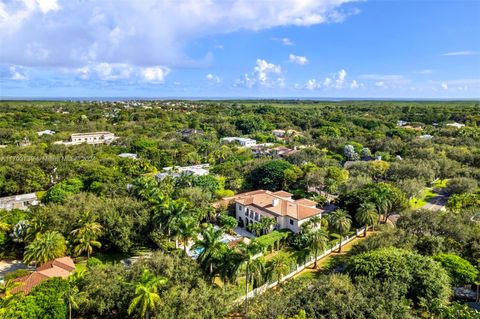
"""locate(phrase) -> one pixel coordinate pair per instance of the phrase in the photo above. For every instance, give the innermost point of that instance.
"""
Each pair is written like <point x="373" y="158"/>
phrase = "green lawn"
<point x="428" y="194"/>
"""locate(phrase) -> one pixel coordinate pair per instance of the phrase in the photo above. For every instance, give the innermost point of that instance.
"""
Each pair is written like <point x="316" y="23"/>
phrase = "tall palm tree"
<point x="280" y="266"/>
<point x="170" y="212"/>
<point x="146" y="297"/>
<point x="45" y="247"/>
<point x="257" y="271"/>
<point x="211" y="246"/>
<point x="366" y="215"/>
<point x="186" y="228"/>
<point x="318" y="237"/>
<point x="229" y="266"/>
<point x="341" y="222"/>
<point x="86" y="235"/>
<point x="248" y="252"/>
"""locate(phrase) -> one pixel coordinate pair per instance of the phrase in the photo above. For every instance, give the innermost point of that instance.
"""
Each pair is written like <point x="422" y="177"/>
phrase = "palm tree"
<point x="318" y="237"/>
<point x="366" y="215"/>
<point x="72" y="295"/>
<point x="211" y="246"/>
<point x="256" y="271"/>
<point x="280" y="266"/>
<point x="255" y="228"/>
<point x="248" y="251"/>
<point x="36" y="225"/>
<point x="146" y="297"/>
<point x="341" y="223"/>
<point x="86" y="235"/>
<point x="229" y="265"/>
<point x="267" y="224"/>
<point x="170" y="212"/>
<point x="186" y="228"/>
<point x="45" y="247"/>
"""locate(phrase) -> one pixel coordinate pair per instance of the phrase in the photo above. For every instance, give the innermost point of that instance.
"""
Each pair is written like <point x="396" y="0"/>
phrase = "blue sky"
<point x="240" y="48"/>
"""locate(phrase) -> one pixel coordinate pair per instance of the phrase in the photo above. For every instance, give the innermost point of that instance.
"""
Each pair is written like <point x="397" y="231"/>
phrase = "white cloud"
<point x="355" y="84"/>
<point x="284" y="41"/>
<point x="387" y="80"/>
<point x="461" y="53"/>
<point x="212" y="78"/>
<point x="143" y="33"/>
<point x="301" y="60"/>
<point x="327" y="82"/>
<point x="120" y="71"/>
<point x="423" y="72"/>
<point x="312" y="84"/>
<point x="263" y="68"/>
<point x="48" y="5"/>
<point x="17" y="74"/>
<point x="264" y="74"/>
<point x="342" y="74"/>
<point x="445" y="86"/>
<point x="155" y="74"/>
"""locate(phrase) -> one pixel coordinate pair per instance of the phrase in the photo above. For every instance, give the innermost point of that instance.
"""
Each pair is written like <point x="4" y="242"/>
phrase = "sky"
<point x="240" y="48"/>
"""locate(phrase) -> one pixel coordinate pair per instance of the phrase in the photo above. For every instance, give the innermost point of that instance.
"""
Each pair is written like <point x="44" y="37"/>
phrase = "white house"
<point x="251" y="207"/>
<point x="89" y="138"/>
<point x="426" y="137"/>
<point x="46" y="132"/>
<point x="456" y="125"/>
<point x="128" y="155"/>
<point x="244" y="141"/>
<point x="401" y="123"/>
<point x="176" y="171"/>
<point x="22" y="201"/>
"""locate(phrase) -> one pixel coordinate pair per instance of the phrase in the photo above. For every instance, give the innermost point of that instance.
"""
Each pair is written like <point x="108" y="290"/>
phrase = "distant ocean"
<point x="213" y="98"/>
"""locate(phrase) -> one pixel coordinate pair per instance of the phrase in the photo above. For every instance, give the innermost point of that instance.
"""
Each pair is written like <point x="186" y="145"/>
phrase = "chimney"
<point x="275" y="201"/>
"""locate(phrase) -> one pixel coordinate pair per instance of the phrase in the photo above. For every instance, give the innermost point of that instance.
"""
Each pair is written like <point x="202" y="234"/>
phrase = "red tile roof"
<point x="60" y="267"/>
<point x="279" y="204"/>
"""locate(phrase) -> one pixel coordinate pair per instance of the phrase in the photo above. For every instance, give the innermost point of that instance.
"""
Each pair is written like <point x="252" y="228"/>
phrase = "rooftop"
<point x="279" y="204"/>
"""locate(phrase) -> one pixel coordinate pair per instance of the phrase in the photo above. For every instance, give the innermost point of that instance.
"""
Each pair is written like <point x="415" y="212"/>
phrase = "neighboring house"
<point x="176" y="171"/>
<point x="46" y="132"/>
<point x="282" y="134"/>
<point x="60" y="267"/>
<point x="290" y="214"/>
<point x="426" y="137"/>
<point x="89" y="138"/>
<point x="128" y="155"/>
<point x="266" y="149"/>
<point x="456" y="125"/>
<point x="244" y="141"/>
<point x="401" y="123"/>
<point x="190" y="131"/>
<point x="283" y="151"/>
<point x="22" y="201"/>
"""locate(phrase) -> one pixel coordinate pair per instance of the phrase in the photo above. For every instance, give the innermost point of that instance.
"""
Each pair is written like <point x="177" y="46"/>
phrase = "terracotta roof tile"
<point x="60" y="267"/>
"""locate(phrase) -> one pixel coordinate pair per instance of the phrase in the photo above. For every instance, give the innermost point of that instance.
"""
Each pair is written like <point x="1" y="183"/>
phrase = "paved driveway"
<point x="7" y="266"/>
<point x="437" y="203"/>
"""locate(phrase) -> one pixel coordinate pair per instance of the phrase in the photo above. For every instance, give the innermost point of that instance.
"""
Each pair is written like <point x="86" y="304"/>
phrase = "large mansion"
<point x="251" y="207"/>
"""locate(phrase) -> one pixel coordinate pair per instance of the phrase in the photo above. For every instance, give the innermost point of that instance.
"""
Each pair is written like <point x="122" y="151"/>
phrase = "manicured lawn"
<point x="417" y="203"/>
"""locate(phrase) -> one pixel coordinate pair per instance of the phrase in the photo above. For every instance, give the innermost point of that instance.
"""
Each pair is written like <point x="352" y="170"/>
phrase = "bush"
<point x="424" y="281"/>
<point x="93" y="262"/>
<point x="460" y="270"/>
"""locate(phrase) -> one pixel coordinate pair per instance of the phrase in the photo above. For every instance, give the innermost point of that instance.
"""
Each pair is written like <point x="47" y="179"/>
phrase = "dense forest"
<point x="407" y="172"/>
